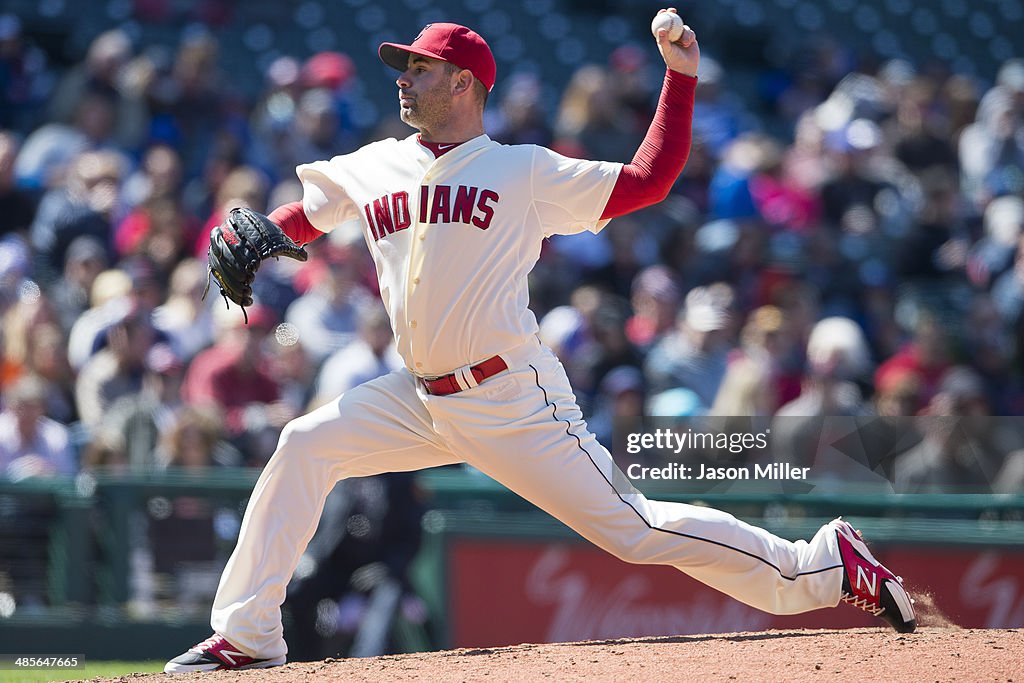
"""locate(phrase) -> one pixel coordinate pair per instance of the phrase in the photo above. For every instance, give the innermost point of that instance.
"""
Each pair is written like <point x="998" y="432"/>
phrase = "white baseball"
<point x="669" y="21"/>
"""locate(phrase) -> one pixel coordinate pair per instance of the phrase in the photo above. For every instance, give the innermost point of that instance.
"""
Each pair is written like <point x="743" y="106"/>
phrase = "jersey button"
<point x="422" y="237"/>
<point x="412" y="324"/>
<point x="415" y="280"/>
<point x="419" y="365"/>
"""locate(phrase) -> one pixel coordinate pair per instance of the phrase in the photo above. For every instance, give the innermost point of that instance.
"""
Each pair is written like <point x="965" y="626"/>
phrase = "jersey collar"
<point x="459" y="149"/>
<point x="439" y="148"/>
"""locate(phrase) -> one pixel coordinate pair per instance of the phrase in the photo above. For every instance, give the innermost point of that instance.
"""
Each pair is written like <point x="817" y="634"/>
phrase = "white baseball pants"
<point x="523" y="428"/>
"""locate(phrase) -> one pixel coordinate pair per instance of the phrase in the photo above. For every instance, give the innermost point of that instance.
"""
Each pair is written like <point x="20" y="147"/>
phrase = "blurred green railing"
<point x="100" y="505"/>
<point x="90" y="541"/>
<point x="91" y="516"/>
<point x="117" y="496"/>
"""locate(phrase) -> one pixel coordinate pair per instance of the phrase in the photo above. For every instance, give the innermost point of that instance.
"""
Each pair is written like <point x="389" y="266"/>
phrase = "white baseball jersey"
<point x="454" y="238"/>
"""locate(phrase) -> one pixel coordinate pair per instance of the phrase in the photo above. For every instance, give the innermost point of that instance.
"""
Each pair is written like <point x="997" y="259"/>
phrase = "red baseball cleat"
<point x="867" y="584"/>
<point x="217" y="654"/>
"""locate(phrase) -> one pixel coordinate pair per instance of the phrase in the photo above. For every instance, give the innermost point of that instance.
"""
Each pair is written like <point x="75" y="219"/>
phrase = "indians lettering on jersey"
<point x="438" y="204"/>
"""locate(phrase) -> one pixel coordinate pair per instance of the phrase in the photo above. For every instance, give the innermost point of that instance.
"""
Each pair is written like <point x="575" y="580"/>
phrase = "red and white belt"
<point x="464" y="378"/>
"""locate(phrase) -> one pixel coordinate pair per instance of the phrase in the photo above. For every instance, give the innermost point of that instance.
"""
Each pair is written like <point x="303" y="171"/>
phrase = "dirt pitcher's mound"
<point x="931" y="654"/>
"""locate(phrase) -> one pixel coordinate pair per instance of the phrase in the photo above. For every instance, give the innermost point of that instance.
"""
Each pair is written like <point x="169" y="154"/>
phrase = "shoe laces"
<point x="867" y="605"/>
<point x="864" y="604"/>
<point x="208" y="643"/>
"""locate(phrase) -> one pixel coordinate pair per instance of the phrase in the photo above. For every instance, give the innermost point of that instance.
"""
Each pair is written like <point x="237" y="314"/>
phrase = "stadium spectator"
<point x="991" y="351"/>
<point x="31" y="444"/>
<point x="160" y="175"/>
<point x="369" y="535"/>
<point x="926" y="354"/>
<point x="336" y="73"/>
<point x="16" y="205"/>
<point x="605" y="348"/>
<point x="326" y="315"/>
<point x="318" y="130"/>
<point x="273" y="117"/>
<point x="655" y="300"/>
<point x="47" y="358"/>
<point x="958" y="451"/>
<point x="243" y="186"/>
<point x="159" y="230"/>
<point x="48" y="154"/>
<point x="767" y="339"/>
<point x="184" y="318"/>
<point x="729" y="189"/>
<point x="188" y="103"/>
<point x="371" y="354"/>
<point x="993" y="254"/>
<point x="934" y="251"/>
<point x="85" y="259"/>
<point x="25" y="77"/>
<point x="922" y="134"/>
<point x="746" y="389"/>
<point x="84" y="206"/>
<point x="897" y="392"/>
<point x="992" y="148"/>
<point x="520" y="118"/>
<point x="194" y="439"/>
<point x="618" y="407"/>
<point x="695" y="355"/>
<point x="135" y="423"/>
<point x="290" y="366"/>
<point x="719" y="117"/>
<point x="591" y="121"/>
<point x="1008" y="289"/>
<point x="101" y="75"/>
<point x="30" y="311"/>
<point x="849" y="197"/>
<point x="117" y="369"/>
<point x="108" y="298"/>
<point x="15" y="265"/>
<point x="201" y="193"/>
<point x="806" y="162"/>
<point x="230" y="377"/>
<point x="837" y="356"/>
<point x="629" y="250"/>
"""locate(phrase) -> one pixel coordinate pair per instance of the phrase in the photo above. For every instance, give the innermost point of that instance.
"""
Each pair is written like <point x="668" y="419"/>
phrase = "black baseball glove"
<point x="239" y="246"/>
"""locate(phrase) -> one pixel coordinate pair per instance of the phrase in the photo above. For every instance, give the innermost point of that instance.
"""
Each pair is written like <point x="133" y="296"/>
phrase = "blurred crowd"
<point x="845" y="239"/>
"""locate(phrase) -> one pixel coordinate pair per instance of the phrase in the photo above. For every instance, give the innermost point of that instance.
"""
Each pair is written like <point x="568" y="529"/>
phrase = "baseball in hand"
<point x="670" y="21"/>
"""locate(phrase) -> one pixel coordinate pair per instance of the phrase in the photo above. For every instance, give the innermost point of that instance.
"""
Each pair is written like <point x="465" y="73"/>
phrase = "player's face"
<point x="424" y="93"/>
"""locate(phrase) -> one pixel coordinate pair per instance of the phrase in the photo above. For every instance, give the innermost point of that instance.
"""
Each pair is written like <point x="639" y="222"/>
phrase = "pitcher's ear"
<point x="465" y="81"/>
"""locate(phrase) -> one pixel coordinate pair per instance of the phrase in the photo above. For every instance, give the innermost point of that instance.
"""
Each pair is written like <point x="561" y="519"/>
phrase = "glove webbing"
<point x="227" y="302"/>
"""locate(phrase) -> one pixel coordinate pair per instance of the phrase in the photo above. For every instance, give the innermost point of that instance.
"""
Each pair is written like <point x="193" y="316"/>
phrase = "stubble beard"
<point x="430" y="108"/>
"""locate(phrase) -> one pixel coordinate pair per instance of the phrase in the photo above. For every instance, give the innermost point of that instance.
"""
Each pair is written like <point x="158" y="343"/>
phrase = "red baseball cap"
<point x="452" y="43"/>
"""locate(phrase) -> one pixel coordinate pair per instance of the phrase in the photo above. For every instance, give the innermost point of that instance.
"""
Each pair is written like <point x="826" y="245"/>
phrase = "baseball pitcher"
<point x="454" y="222"/>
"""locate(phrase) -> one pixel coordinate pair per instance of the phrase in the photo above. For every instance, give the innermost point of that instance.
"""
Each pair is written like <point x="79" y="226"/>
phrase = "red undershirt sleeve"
<point x="662" y="154"/>
<point x="293" y="221"/>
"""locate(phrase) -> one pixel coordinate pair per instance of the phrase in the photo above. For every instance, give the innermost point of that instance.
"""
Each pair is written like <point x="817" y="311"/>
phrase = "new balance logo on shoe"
<point x="868" y="585"/>
<point x="871" y="580"/>
<point x="233" y="657"/>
